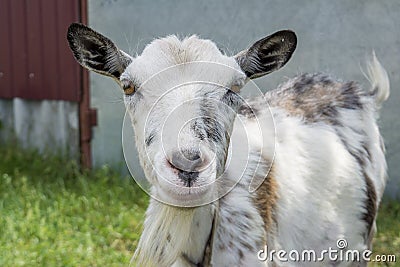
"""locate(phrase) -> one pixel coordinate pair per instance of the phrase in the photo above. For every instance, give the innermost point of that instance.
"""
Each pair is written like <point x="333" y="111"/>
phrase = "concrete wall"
<point x="334" y="37"/>
<point x="46" y="125"/>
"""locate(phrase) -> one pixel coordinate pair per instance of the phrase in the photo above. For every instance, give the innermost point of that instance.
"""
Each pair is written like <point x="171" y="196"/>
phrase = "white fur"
<point x="379" y="80"/>
<point x="321" y="189"/>
<point x="330" y="170"/>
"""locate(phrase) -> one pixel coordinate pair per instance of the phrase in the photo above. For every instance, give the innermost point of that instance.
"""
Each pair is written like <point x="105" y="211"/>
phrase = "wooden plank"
<point x="35" y="68"/>
<point x="68" y="12"/>
<point x="19" y="73"/>
<point x="5" y="53"/>
<point x="50" y="60"/>
<point x="84" y="106"/>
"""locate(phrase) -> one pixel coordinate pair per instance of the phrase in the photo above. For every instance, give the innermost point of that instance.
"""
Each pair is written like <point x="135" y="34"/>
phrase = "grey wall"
<point x="47" y="125"/>
<point x="334" y="37"/>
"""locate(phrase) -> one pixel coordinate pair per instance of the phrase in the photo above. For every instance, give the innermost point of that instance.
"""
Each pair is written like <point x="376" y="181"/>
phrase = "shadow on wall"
<point x="46" y="125"/>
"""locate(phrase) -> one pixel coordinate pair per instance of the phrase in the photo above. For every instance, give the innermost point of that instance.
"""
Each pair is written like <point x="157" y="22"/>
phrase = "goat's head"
<point x="182" y="97"/>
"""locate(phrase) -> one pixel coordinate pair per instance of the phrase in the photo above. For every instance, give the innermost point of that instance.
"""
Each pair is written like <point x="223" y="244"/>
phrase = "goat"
<point x="296" y="169"/>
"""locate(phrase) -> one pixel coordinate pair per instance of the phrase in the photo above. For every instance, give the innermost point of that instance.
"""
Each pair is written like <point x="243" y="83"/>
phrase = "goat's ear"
<point x="268" y="54"/>
<point x="96" y="52"/>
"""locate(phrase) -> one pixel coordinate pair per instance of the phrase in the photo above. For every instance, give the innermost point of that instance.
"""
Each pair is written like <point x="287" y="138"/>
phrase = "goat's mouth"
<point x="181" y="187"/>
<point x="185" y="196"/>
<point x="188" y="178"/>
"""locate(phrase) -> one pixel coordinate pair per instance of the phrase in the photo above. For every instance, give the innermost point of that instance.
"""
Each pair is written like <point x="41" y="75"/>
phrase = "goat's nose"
<point x="188" y="163"/>
<point x="187" y="160"/>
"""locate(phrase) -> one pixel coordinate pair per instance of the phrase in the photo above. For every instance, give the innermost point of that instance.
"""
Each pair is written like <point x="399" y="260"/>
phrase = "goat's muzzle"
<point x="187" y="164"/>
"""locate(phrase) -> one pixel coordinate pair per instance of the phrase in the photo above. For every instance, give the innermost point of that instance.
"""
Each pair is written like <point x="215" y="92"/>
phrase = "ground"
<point x="52" y="214"/>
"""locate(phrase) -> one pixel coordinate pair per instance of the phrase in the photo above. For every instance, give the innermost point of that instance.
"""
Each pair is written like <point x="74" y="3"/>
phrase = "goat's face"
<point x="182" y="97"/>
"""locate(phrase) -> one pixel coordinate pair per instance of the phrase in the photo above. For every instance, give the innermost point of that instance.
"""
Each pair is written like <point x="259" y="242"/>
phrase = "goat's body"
<point x="328" y="154"/>
<point x="328" y="150"/>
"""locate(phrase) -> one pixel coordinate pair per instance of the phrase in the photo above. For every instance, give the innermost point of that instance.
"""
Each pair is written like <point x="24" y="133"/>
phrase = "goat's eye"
<point x="235" y="88"/>
<point x="237" y="85"/>
<point x="129" y="90"/>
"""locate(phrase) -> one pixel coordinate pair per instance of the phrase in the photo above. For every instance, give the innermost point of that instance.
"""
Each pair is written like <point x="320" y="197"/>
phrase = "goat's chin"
<point x="177" y="194"/>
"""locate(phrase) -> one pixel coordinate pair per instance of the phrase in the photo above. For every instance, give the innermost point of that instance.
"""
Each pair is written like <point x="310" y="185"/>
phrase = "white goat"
<point x="315" y="155"/>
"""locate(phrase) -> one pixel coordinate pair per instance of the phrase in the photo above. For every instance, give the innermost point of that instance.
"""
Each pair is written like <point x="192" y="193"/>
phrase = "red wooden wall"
<point x="35" y="61"/>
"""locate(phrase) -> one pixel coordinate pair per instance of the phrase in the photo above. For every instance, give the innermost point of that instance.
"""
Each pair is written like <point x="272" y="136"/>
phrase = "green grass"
<point x="51" y="214"/>
<point x="387" y="239"/>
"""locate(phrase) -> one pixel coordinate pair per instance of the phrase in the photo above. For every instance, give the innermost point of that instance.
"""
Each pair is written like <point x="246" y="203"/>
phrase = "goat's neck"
<point x="171" y="233"/>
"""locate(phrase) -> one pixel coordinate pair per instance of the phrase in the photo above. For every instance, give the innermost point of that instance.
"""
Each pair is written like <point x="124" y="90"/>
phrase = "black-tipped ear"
<point x="96" y="52"/>
<point x="268" y="54"/>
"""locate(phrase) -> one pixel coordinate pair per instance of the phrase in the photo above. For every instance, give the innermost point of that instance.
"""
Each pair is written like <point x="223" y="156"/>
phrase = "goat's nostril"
<point x="186" y="164"/>
<point x="195" y="157"/>
<point x="186" y="161"/>
<point x="191" y="155"/>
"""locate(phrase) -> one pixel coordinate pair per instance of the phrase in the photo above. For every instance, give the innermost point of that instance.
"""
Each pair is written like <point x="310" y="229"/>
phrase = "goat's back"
<point x="328" y="169"/>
